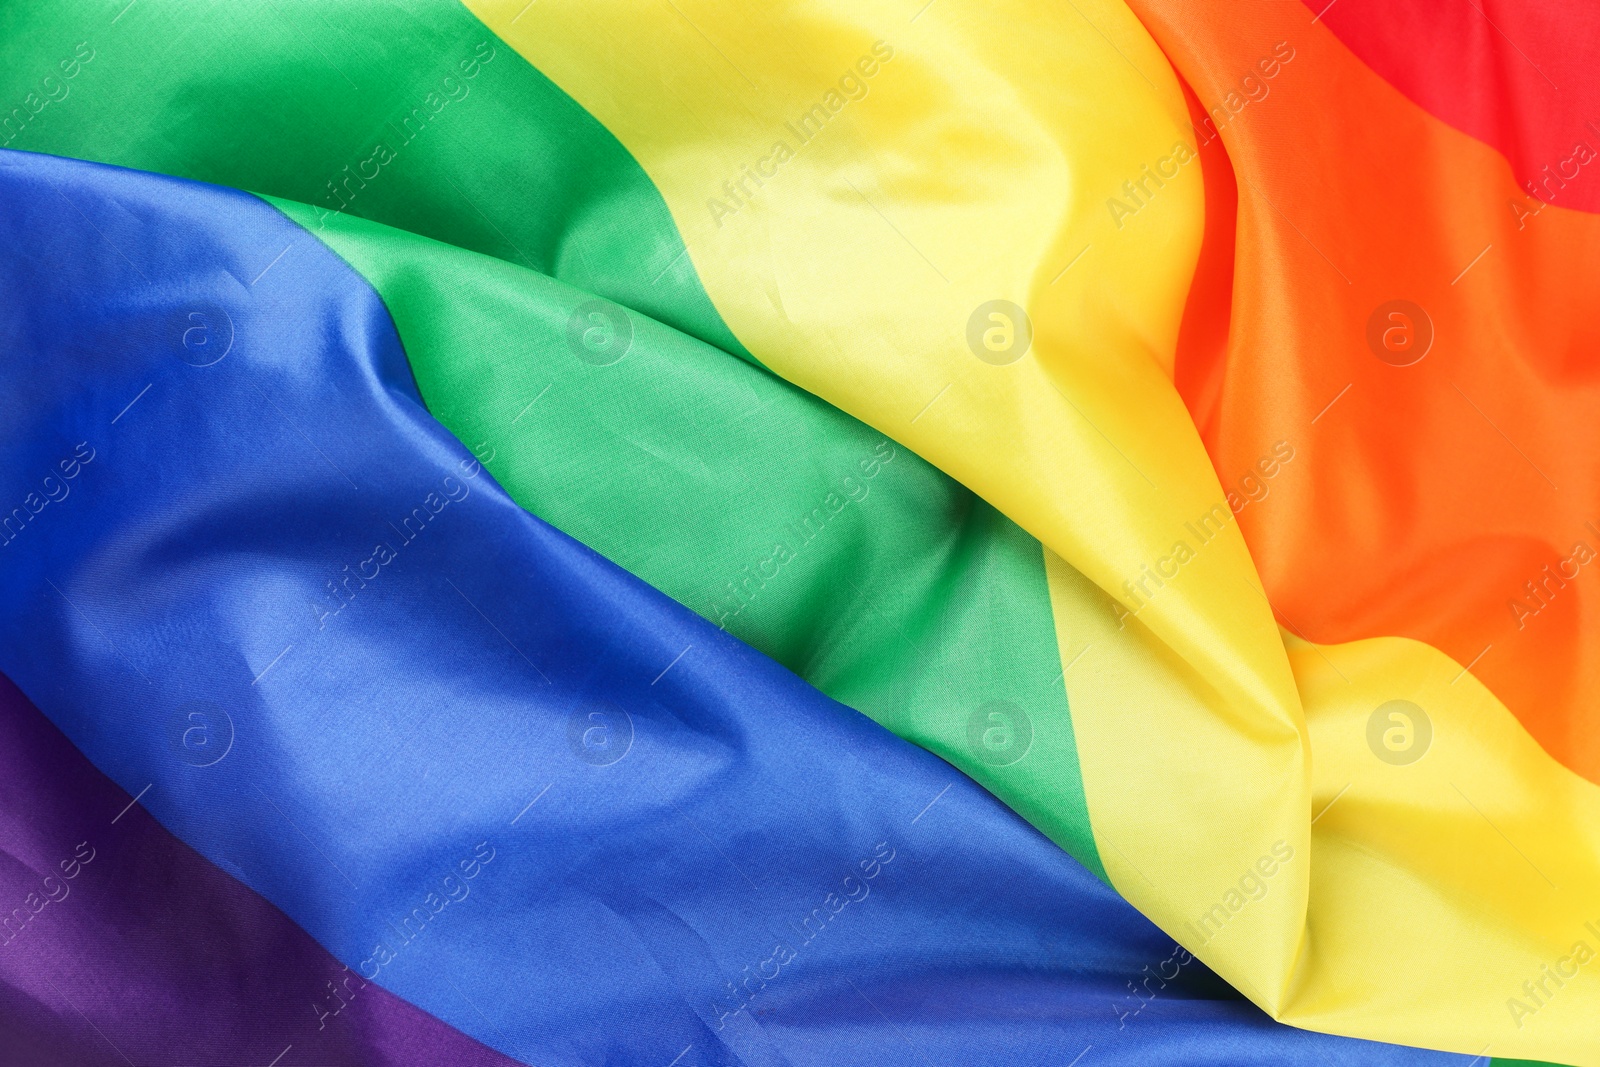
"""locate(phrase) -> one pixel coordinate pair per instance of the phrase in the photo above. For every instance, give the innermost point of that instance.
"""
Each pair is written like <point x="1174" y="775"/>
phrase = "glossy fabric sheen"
<point x="407" y="111"/>
<point x="117" y="940"/>
<point x="746" y="499"/>
<point x="1422" y="500"/>
<point x="1431" y="498"/>
<point x="856" y="224"/>
<point x="947" y="610"/>
<point x="855" y="273"/>
<point x="440" y="720"/>
<point x="1519" y="77"/>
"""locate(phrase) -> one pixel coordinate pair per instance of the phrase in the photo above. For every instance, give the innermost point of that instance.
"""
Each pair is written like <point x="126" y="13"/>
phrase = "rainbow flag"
<point x="684" y="533"/>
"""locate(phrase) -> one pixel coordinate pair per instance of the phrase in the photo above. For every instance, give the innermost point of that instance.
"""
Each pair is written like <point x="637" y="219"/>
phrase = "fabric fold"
<point x="489" y="771"/>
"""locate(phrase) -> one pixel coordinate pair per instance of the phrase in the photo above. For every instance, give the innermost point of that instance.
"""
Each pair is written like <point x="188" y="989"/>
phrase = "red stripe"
<point x="1521" y="77"/>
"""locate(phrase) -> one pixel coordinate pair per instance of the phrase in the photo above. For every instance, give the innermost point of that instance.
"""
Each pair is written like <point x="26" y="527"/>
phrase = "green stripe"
<point x="805" y="533"/>
<point x="301" y="98"/>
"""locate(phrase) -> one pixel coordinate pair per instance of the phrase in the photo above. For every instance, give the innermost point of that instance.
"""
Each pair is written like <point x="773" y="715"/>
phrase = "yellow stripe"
<point x="1183" y="798"/>
<point x="937" y="157"/>
<point x="1431" y="890"/>
<point x="976" y="165"/>
<point x="1442" y="886"/>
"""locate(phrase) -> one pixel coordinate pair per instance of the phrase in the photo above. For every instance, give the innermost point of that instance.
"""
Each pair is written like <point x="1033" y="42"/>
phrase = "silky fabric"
<point x="408" y="111"/>
<point x="746" y="499"/>
<point x="735" y="492"/>
<point x="1516" y="76"/>
<point x="118" y="938"/>
<point x="1442" y="490"/>
<point x="644" y="808"/>
<point x="1420" y="330"/>
<point x="953" y="175"/>
<point x="293" y="99"/>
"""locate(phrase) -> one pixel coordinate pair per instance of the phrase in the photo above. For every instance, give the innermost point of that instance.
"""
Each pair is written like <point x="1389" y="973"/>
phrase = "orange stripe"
<point x="1425" y="497"/>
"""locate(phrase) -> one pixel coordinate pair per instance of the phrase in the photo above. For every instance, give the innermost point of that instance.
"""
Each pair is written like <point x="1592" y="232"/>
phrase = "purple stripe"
<point x="121" y="945"/>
